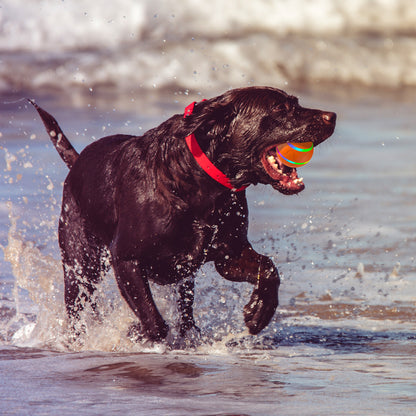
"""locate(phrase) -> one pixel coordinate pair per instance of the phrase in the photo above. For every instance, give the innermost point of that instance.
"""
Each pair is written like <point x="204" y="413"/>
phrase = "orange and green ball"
<point x="295" y="155"/>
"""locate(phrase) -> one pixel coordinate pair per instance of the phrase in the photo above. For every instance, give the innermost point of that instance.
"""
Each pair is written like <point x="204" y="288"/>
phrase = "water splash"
<point x="39" y="318"/>
<point x="36" y="278"/>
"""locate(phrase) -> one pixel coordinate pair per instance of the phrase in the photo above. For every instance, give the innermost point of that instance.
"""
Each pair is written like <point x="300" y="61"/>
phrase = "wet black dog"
<point x="149" y="203"/>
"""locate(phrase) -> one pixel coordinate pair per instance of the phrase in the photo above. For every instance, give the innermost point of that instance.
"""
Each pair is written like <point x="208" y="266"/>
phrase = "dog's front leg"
<point x="186" y="303"/>
<point x="259" y="270"/>
<point x="135" y="289"/>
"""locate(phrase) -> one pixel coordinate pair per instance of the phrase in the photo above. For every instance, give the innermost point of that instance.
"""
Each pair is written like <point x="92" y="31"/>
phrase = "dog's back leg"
<point x="134" y="287"/>
<point x="83" y="261"/>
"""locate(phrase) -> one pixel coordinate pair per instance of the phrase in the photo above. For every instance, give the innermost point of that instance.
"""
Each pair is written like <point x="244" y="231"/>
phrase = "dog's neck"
<point x="201" y="158"/>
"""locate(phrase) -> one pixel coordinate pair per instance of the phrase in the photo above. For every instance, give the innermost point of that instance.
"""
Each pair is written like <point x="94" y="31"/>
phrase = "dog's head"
<point x="240" y="130"/>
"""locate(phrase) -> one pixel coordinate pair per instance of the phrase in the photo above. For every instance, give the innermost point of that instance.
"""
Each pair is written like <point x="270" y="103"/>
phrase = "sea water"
<point x="343" y="339"/>
<point x="198" y="45"/>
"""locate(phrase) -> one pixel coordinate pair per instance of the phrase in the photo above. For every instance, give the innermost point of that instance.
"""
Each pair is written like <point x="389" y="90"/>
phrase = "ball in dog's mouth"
<point x="295" y="155"/>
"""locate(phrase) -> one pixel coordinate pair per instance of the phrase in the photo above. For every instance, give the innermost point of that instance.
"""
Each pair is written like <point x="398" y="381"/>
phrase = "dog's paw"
<point x="138" y="333"/>
<point x="158" y="333"/>
<point x="260" y="309"/>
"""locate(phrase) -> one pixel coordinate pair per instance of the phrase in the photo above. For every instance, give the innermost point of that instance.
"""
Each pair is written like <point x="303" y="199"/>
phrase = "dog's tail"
<point x="65" y="149"/>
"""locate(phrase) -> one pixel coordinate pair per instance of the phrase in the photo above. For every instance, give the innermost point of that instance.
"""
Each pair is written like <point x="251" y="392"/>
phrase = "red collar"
<point x="202" y="159"/>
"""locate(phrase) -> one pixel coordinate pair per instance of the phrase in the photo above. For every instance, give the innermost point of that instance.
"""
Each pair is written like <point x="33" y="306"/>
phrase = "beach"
<point x="342" y="341"/>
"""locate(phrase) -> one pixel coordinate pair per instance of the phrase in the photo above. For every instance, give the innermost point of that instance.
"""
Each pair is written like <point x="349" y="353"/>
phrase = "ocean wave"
<point x="199" y="45"/>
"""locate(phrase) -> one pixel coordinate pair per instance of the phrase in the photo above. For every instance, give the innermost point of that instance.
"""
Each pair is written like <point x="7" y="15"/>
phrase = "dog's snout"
<point x="329" y="118"/>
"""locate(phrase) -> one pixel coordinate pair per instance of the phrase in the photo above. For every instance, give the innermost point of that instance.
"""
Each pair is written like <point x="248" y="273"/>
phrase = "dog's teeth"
<point x="274" y="163"/>
<point x="298" y="181"/>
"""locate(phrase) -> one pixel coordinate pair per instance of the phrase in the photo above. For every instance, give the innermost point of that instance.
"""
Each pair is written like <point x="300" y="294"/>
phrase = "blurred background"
<point x="82" y="47"/>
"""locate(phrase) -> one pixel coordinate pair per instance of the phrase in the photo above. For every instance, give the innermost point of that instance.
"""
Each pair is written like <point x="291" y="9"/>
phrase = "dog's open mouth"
<point x="285" y="179"/>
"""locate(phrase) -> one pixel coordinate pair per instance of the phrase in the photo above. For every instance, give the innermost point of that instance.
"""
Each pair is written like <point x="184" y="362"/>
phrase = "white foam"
<point x="51" y="26"/>
<point x="205" y="45"/>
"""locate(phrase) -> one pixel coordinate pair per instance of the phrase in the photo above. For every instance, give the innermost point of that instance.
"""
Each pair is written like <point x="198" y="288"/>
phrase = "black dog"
<point x="149" y="203"/>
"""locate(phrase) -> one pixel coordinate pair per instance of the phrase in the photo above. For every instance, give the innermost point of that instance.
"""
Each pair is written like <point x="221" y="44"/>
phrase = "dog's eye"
<point x="286" y="107"/>
<point x="277" y="108"/>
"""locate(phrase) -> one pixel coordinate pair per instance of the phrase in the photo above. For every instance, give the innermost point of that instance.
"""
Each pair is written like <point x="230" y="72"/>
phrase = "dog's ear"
<point x="211" y="118"/>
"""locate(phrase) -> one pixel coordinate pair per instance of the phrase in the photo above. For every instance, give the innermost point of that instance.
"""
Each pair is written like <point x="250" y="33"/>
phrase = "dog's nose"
<point x="329" y="118"/>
